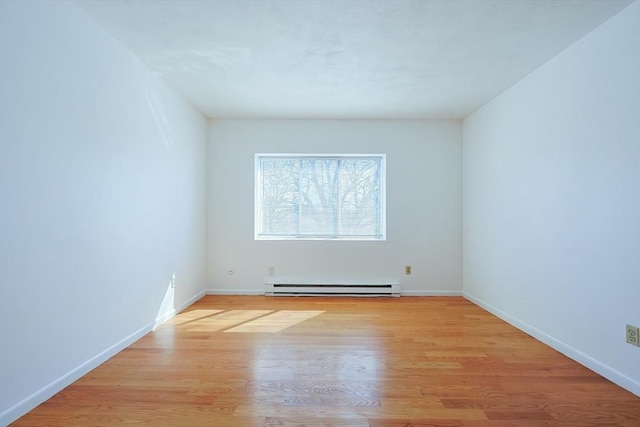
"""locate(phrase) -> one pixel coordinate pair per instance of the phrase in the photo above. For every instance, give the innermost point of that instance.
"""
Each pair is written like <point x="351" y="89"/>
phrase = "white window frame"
<point x="258" y="213"/>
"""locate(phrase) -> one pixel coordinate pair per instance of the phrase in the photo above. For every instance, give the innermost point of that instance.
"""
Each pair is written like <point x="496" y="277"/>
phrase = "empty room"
<point x="353" y="213"/>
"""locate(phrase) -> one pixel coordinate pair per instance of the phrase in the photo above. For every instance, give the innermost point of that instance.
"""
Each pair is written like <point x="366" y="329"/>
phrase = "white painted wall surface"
<point x="552" y="200"/>
<point x="423" y="205"/>
<point x="102" y="197"/>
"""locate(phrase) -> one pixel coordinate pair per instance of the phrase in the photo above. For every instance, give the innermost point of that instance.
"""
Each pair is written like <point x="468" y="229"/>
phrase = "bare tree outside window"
<point x="320" y="197"/>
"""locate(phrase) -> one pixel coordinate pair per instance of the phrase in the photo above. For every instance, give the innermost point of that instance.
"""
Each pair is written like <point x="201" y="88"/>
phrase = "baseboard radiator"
<point x="332" y="289"/>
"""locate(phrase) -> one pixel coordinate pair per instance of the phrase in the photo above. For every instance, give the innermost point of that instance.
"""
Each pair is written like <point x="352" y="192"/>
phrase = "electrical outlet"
<point x="632" y="335"/>
<point x="173" y="280"/>
<point x="407" y="270"/>
<point x="272" y="271"/>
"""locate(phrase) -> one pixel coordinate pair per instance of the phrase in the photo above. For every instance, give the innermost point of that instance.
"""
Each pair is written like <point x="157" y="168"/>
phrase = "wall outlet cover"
<point x="632" y="335"/>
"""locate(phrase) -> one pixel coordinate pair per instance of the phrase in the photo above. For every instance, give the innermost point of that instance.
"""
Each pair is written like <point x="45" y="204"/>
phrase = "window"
<point x="323" y="197"/>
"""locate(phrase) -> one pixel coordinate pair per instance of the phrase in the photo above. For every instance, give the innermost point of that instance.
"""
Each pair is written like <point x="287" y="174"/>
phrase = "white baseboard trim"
<point x="413" y="293"/>
<point x="171" y="314"/>
<point x="30" y="402"/>
<point x="190" y="301"/>
<point x="584" y="359"/>
<point x="161" y="319"/>
<point x="235" y="291"/>
<point x="408" y="293"/>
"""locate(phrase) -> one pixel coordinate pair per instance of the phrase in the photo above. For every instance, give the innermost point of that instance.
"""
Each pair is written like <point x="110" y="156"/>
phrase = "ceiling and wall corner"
<point x="360" y="59"/>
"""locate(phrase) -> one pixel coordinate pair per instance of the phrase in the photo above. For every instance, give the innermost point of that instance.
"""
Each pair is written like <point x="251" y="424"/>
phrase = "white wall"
<point x="423" y="204"/>
<point x="102" y="197"/>
<point x="552" y="200"/>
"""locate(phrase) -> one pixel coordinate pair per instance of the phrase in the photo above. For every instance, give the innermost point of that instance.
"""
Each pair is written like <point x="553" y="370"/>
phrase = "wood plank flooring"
<point x="378" y="362"/>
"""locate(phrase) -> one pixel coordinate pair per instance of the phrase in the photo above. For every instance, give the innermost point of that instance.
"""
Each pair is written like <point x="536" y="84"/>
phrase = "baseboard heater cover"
<point x="333" y="289"/>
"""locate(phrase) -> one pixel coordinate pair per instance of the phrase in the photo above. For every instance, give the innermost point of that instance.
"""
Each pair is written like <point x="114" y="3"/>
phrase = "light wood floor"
<point x="388" y="362"/>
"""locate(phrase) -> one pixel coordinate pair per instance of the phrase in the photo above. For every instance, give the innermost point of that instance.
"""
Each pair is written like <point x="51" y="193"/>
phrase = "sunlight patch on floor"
<point x="277" y="321"/>
<point x="194" y="316"/>
<point x="226" y="320"/>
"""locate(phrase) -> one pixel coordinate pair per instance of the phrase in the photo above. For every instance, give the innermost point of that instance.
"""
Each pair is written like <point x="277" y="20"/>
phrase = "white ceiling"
<point x="351" y="59"/>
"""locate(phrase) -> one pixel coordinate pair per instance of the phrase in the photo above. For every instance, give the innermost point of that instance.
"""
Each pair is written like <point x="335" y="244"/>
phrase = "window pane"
<point x="318" y="197"/>
<point x="360" y="197"/>
<point x="302" y="196"/>
<point x="280" y="196"/>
